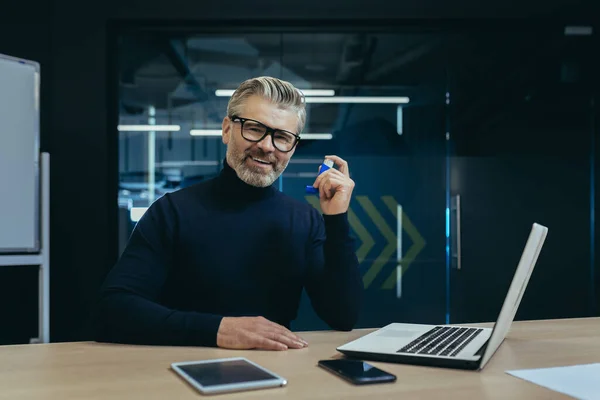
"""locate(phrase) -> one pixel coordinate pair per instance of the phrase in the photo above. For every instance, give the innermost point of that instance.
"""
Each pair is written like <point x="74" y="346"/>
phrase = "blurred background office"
<point x="463" y="124"/>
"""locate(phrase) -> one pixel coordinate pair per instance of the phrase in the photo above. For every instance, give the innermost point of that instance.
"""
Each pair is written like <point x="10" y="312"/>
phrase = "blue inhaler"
<point x="327" y="164"/>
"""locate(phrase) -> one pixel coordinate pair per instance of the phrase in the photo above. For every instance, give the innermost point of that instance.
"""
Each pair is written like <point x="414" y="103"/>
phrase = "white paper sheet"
<point x="579" y="381"/>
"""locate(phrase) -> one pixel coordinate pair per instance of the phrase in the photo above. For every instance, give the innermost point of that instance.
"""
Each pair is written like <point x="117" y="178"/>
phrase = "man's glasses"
<point x="255" y="131"/>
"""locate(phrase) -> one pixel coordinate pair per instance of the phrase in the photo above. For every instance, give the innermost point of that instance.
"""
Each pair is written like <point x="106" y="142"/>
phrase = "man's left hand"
<point x="335" y="187"/>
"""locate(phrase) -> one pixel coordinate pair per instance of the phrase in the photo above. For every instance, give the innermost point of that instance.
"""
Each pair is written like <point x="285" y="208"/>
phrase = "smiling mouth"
<point x="258" y="160"/>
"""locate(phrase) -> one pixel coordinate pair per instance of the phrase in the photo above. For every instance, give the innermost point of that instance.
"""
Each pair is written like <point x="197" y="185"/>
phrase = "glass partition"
<point x="431" y="122"/>
<point x="377" y="100"/>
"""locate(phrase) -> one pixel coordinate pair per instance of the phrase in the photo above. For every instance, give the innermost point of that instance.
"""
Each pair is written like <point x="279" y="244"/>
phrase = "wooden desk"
<point x="84" y="370"/>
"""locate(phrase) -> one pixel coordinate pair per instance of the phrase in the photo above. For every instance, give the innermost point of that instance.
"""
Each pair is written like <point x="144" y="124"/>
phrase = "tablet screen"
<point x="225" y="372"/>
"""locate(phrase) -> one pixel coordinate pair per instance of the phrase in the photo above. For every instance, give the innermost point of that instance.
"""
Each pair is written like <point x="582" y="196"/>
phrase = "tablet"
<point x="227" y="375"/>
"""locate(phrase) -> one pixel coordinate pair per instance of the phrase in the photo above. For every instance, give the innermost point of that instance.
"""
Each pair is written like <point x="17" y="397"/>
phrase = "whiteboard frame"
<point x="35" y="152"/>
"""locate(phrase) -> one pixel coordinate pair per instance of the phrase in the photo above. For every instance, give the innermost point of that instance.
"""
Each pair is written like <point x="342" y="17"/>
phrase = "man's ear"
<point x="226" y="127"/>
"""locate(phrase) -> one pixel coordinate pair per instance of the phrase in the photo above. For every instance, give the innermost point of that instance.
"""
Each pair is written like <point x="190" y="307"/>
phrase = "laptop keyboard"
<point x="442" y="341"/>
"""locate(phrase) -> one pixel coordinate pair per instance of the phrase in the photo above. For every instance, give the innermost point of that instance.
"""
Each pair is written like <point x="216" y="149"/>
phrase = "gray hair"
<point x="279" y="92"/>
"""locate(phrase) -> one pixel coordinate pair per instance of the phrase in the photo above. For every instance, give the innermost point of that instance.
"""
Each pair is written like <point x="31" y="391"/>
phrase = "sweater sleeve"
<point x="128" y="310"/>
<point x="334" y="284"/>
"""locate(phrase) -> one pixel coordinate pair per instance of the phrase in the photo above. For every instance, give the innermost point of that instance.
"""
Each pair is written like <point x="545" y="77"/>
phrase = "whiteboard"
<point x="19" y="156"/>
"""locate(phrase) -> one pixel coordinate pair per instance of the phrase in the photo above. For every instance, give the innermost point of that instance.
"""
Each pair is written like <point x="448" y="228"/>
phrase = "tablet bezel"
<point x="277" y="380"/>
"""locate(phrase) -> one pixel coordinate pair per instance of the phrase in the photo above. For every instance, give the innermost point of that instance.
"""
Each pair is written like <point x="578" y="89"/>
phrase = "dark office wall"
<point x="69" y="39"/>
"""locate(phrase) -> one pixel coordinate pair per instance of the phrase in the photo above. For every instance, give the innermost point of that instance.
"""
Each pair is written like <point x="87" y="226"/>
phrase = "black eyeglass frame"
<point x="268" y="131"/>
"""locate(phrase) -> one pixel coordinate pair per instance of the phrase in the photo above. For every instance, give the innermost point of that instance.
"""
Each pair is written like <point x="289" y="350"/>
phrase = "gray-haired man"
<point x="223" y="263"/>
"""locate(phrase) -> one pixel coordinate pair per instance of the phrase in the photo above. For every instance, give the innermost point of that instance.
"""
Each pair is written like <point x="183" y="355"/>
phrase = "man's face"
<point x="260" y="163"/>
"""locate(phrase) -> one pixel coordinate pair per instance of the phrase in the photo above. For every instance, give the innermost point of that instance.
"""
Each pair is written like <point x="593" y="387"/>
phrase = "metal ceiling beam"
<point x="400" y="60"/>
<point x="174" y="50"/>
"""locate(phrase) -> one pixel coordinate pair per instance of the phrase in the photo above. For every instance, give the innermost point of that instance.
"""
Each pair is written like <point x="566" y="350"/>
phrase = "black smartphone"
<point x="356" y="371"/>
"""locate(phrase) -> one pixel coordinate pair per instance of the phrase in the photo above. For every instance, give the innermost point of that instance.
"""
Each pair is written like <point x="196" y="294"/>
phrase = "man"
<point x="223" y="262"/>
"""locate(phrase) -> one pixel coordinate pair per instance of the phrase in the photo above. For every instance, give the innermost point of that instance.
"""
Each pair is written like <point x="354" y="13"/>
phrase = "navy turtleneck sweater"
<point x="225" y="248"/>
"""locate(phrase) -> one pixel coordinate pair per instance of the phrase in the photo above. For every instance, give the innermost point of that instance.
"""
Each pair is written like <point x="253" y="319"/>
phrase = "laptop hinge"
<point x="482" y="348"/>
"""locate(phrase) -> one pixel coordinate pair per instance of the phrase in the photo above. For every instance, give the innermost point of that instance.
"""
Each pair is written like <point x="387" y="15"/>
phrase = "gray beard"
<point x="250" y="176"/>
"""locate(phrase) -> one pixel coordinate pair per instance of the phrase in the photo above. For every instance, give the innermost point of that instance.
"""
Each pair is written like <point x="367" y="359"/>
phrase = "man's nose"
<point x="266" y="144"/>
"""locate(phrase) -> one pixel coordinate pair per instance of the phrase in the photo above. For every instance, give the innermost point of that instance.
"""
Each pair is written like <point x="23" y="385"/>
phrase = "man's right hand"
<point x="256" y="333"/>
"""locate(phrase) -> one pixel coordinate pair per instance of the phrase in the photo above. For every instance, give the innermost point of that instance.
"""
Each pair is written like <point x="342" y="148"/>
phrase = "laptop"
<point x="450" y="346"/>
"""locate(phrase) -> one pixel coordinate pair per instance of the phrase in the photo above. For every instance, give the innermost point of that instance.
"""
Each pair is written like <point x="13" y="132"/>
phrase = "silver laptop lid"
<point x="516" y="290"/>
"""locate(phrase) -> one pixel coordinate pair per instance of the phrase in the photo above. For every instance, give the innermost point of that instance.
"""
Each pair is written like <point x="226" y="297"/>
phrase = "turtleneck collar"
<point x="235" y="189"/>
